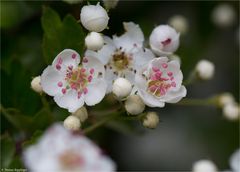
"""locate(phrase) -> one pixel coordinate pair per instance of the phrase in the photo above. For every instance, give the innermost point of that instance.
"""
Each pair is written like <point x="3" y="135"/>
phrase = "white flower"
<point x="151" y="120"/>
<point x="204" y="166"/>
<point x="60" y="150"/>
<point x="121" y="88"/>
<point x="81" y="113"/>
<point x="72" y="123"/>
<point x="71" y="84"/>
<point x="164" y="40"/>
<point x="223" y="15"/>
<point x="160" y="81"/>
<point x="110" y="3"/>
<point x="231" y="111"/>
<point x="94" y="41"/>
<point x="205" y="69"/>
<point x="235" y="160"/>
<point x="123" y="55"/>
<point x="36" y="84"/>
<point x="225" y="98"/>
<point x="134" y="105"/>
<point x="179" y="22"/>
<point x="94" y="17"/>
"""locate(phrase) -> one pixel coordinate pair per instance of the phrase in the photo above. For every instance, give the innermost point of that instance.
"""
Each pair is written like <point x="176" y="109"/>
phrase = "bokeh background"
<point x="185" y="134"/>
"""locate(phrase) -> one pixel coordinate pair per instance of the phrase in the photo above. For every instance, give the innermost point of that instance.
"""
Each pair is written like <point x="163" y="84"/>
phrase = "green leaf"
<point x="60" y="35"/>
<point x="7" y="151"/>
<point x="34" y="138"/>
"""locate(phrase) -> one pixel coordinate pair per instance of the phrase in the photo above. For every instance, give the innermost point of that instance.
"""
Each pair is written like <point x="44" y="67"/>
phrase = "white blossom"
<point x="204" y="166"/>
<point x="94" y="17"/>
<point x="160" y="81"/>
<point x="81" y="113"/>
<point x="72" y="84"/>
<point x="235" y="161"/>
<point x="231" y="111"/>
<point x="205" y="69"/>
<point x="123" y="55"/>
<point x="151" y="120"/>
<point x="36" y="84"/>
<point x="180" y="23"/>
<point x="60" y="150"/>
<point x="121" y="88"/>
<point x="94" y="41"/>
<point x="164" y="40"/>
<point x="134" y="105"/>
<point x="72" y="123"/>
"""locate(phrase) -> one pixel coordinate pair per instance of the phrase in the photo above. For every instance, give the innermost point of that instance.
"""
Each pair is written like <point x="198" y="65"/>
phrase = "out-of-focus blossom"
<point x="94" y="41"/>
<point x="81" y="113"/>
<point x="123" y="55"/>
<point x="231" y="111"/>
<point x="121" y="88"/>
<point x="164" y="40"/>
<point x="60" y="150"/>
<point x="151" y="120"/>
<point x="205" y="69"/>
<point x="204" y="166"/>
<point x="72" y="123"/>
<point x="225" y="98"/>
<point x="179" y="22"/>
<point x="71" y="84"/>
<point x="134" y="105"/>
<point x="109" y="4"/>
<point x="36" y="84"/>
<point x="160" y="81"/>
<point x="235" y="161"/>
<point x="94" y="17"/>
<point x="223" y="15"/>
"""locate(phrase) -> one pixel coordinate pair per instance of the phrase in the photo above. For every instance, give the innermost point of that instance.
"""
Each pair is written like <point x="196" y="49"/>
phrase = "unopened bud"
<point x="204" y="166"/>
<point x="180" y="23"/>
<point x="36" y="84"/>
<point x="81" y="113"/>
<point x="205" y="69"/>
<point x="225" y="99"/>
<point x="134" y="105"/>
<point x="231" y="111"/>
<point x="72" y="123"/>
<point x="94" y="41"/>
<point x="121" y="88"/>
<point x="151" y="120"/>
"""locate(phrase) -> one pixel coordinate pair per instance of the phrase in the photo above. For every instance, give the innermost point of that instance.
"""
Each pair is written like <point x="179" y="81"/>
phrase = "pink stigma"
<point x="74" y="56"/>
<point x="60" y="84"/>
<point x="166" y="42"/>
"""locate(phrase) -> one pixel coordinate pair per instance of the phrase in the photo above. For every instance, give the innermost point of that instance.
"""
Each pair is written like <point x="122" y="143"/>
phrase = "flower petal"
<point x="69" y="101"/>
<point x="96" y="92"/>
<point x="150" y="100"/>
<point x="176" y="96"/>
<point x="142" y="57"/>
<point x="67" y="57"/>
<point x="109" y="77"/>
<point x="94" y="63"/>
<point x="50" y="79"/>
<point x="133" y="37"/>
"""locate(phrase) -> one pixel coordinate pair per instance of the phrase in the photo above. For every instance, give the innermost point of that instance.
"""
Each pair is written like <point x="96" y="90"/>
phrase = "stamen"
<point x="58" y="67"/>
<point x="74" y="56"/>
<point x="64" y="90"/>
<point x="92" y="71"/>
<point x="60" y="84"/>
<point x="85" y="60"/>
<point x="164" y="65"/>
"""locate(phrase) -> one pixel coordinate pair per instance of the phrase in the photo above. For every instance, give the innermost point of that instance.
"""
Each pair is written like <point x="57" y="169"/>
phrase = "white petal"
<point x="132" y="36"/>
<point x="109" y="77"/>
<point x="68" y="57"/>
<point x="96" y="92"/>
<point x="142" y="57"/>
<point x="69" y="100"/>
<point x="175" y="96"/>
<point x="150" y="100"/>
<point x="140" y="81"/>
<point x="94" y="63"/>
<point x="49" y="81"/>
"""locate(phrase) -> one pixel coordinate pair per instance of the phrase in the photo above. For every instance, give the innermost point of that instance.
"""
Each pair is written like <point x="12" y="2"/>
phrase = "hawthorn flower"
<point x="164" y="40"/>
<point x="72" y="84"/>
<point x="61" y="150"/>
<point x="160" y="81"/>
<point x="124" y="55"/>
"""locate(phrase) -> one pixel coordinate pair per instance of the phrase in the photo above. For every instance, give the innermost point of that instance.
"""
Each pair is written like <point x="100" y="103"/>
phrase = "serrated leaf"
<point x="7" y="151"/>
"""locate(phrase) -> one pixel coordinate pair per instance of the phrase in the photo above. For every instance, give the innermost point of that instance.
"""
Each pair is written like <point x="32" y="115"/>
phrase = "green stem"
<point x="45" y="103"/>
<point x="191" y="78"/>
<point x="197" y="102"/>
<point x="137" y="117"/>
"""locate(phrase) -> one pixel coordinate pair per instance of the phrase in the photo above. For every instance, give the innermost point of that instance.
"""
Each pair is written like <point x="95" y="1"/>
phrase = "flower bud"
<point x="134" y="105"/>
<point x="164" y="40"/>
<point x="72" y="123"/>
<point x="94" y="17"/>
<point x="225" y="99"/>
<point x="81" y="113"/>
<point x="205" y="69"/>
<point x="223" y="15"/>
<point x="94" y="41"/>
<point x="36" y="84"/>
<point x="151" y="120"/>
<point x="204" y="166"/>
<point x="110" y="3"/>
<point x="121" y="88"/>
<point x="180" y="23"/>
<point x="231" y="111"/>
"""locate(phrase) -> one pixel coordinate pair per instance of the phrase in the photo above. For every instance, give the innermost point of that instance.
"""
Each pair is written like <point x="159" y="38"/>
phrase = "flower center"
<point x="70" y="159"/>
<point x="158" y="85"/>
<point x="120" y="60"/>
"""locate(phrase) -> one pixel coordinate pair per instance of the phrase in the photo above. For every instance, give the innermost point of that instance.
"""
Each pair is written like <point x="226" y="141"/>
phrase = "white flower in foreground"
<point x="81" y="113"/>
<point x="205" y="69"/>
<point x="151" y="120"/>
<point x="204" y="166"/>
<point x="94" y="17"/>
<point x="235" y="161"/>
<point x="94" y="41"/>
<point x="160" y="81"/>
<point x="231" y="111"/>
<point x="164" y="40"/>
<point x="225" y="98"/>
<point x="72" y="123"/>
<point x="134" y="105"/>
<point x="36" y="84"/>
<point x="223" y="15"/>
<point x="121" y="88"/>
<point x="179" y="22"/>
<point x="110" y="3"/>
<point x="60" y="150"/>
<point x="71" y="84"/>
<point x="124" y="55"/>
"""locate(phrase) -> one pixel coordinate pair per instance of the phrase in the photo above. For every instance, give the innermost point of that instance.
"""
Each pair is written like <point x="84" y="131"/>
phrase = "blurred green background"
<point x="185" y="134"/>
